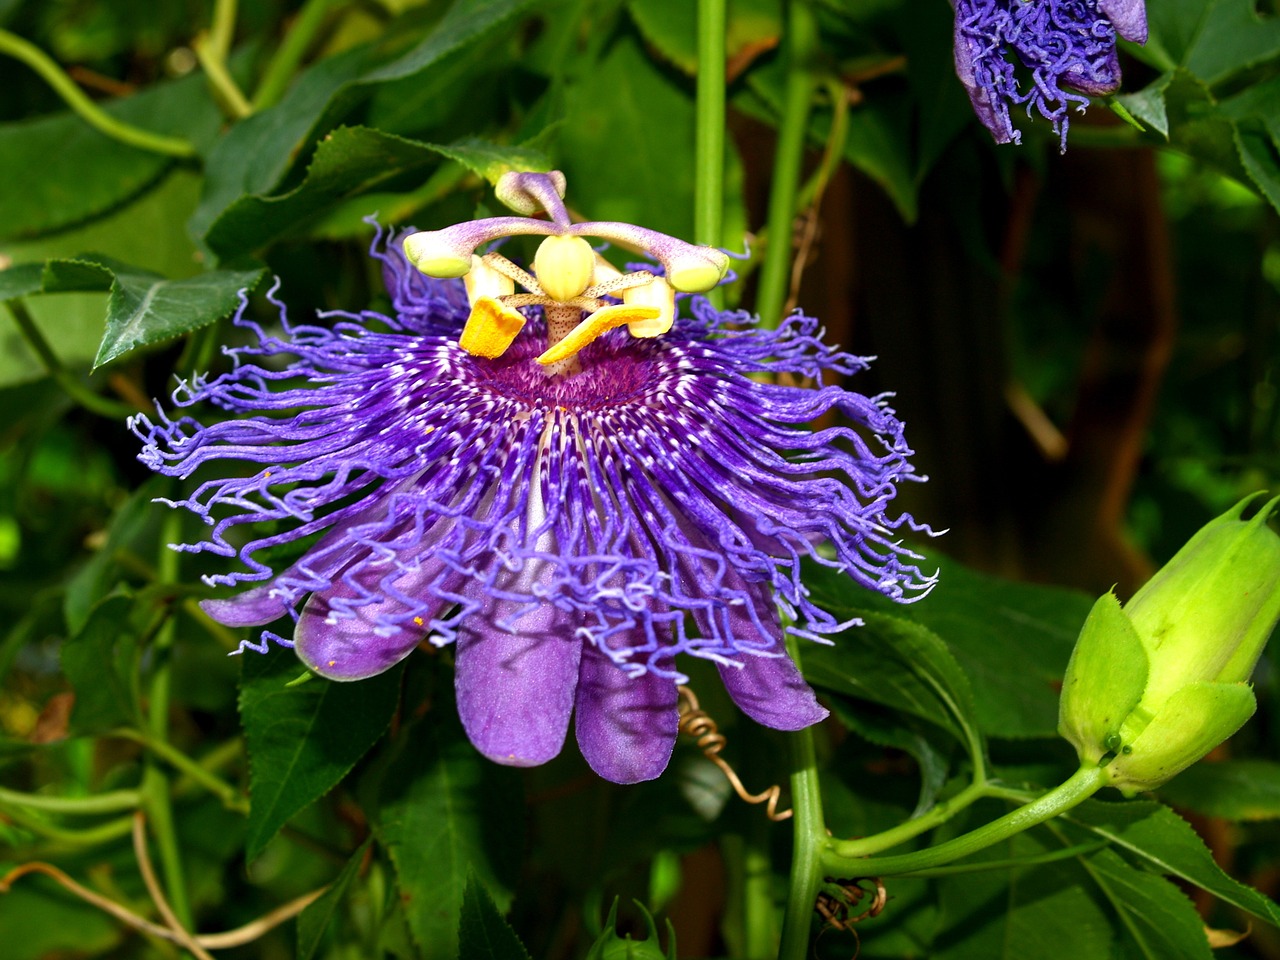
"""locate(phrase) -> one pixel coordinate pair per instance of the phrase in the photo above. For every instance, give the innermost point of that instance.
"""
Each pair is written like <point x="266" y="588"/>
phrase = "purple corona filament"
<point x="573" y="530"/>
<point x="1069" y="46"/>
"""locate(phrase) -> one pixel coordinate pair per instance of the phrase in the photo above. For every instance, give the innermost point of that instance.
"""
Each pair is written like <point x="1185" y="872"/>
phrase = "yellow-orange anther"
<point x="564" y="266"/>
<point x="656" y="293"/>
<point x="490" y="328"/>
<point x="484" y="281"/>
<point x="603" y="320"/>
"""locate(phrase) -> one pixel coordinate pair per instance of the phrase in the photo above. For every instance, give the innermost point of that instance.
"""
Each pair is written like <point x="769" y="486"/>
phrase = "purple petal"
<point x="626" y="726"/>
<point x="771" y="692"/>
<point x="517" y="670"/>
<point x="342" y="641"/>
<point x="1129" y="17"/>
<point x="253" y="608"/>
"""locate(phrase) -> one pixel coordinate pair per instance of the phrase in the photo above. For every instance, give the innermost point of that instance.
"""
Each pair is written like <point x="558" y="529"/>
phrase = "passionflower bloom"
<point x="572" y="505"/>
<point x="1069" y="46"/>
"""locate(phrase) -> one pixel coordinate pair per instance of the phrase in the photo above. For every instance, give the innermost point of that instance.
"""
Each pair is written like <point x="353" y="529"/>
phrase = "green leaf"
<point x="1158" y="918"/>
<point x="144" y="309"/>
<point x="254" y="157"/>
<point x="900" y="664"/>
<point x="1148" y="105"/>
<point x="483" y="934"/>
<point x="314" y="921"/>
<point x="60" y="171"/>
<point x="1153" y="833"/>
<point x="20" y="280"/>
<point x="100" y="663"/>
<point x="1258" y="154"/>
<point x="491" y="160"/>
<point x="444" y="812"/>
<point x="1245" y="790"/>
<point x="987" y="623"/>
<point x="303" y="740"/>
<point x="1012" y="913"/>
<point x="349" y="161"/>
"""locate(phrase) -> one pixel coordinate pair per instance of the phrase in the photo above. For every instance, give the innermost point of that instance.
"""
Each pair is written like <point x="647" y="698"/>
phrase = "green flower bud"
<point x="610" y="946"/>
<point x="1153" y="687"/>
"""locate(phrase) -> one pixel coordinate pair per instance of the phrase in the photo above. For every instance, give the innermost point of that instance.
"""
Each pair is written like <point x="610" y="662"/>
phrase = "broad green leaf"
<point x="256" y="154"/>
<point x="491" y="161"/>
<point x="314" y="921"/>
<point x="100" y="663"/>
<point x="348" y="162"/>
<point x="483" y="934"/>
<point x="987" y="623"/>
<point x="444" y="812"/>
<point x="900" y="664"/>
<point x="20" y="280"/>
<point x="145" y="309"/>
<point x="1014" y="913"/>
<point x="1258" y="154"/>
<point x="303" y="739"/>
<point x="1154" y="834"/>
<point x="1232" y="789"/>
<point x="58" y="171"/>
<point x="1148" y="105"/>
<point x="1157" y="917"/>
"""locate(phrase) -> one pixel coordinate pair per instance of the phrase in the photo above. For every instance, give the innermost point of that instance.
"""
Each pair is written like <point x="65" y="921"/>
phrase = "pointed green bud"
<point x="1152" y="688"/>
<point x="610" y="946"/>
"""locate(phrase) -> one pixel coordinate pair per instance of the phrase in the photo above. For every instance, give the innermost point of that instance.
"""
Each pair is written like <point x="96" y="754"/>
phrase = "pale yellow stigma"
<point x="598" y="323"/>
<point x="490" y="328"/>
<point x="657" y="293"/>
<point x="564" y="266"/>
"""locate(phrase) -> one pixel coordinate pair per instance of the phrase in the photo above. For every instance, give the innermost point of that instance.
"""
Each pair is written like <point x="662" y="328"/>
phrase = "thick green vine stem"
<point x="708" y="205"/>
<point x="810" y="833"/>
<point x="802" y="53"/>
<point x="841" y="856"/>
<point x="90" y="112"/>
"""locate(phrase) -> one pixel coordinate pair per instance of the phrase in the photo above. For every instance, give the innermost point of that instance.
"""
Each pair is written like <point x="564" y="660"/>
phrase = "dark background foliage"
<point x="1084" y="348"/>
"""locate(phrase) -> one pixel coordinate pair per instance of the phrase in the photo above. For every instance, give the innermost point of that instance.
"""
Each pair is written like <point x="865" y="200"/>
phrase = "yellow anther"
<point x="603" y="320"/>
<point x="490" y="328"/>
<point x="656" y="293"/>
<point x="484" y="281"/>
<point x="436" y="256"/>
<point x="418" y="620"/>
<point x="564" y="266"/>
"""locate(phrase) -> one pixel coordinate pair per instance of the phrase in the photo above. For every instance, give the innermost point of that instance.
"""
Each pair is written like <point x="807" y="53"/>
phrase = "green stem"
<point x="157" y="801"/>
<point x="288" y="57"/>
<point x="222" y="29"/>
<point x="810" y="838"/>
<point x="708" y="207"/>
<point x="802" y="50"/>
<point x="936" y="815"/>
<point x="90" y="112"/>
<point x="115" y="801"/>
<point x="75" y="836"/>
<point x="225" y="90"/>
<point x="1066" y="853"/>
<point x="833" y="153"/>
<point x="196" y="772"/>
<point x="70" y="384"/>
<point x="759" y="928"/>
<point x="1083" y="784"/>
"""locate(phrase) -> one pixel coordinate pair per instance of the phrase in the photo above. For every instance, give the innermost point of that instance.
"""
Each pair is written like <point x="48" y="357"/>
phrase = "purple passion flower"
<point x="570" y="519"/>
<point x="1068" y="45"/>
